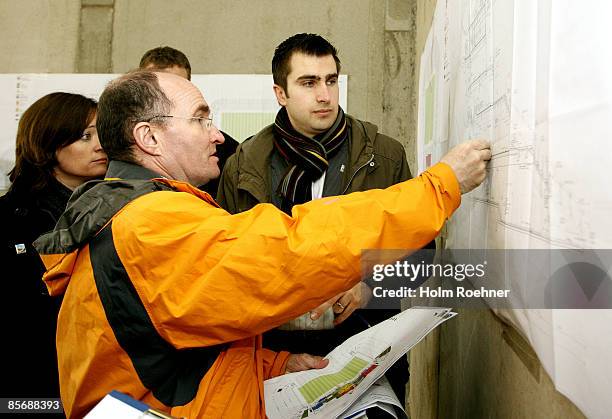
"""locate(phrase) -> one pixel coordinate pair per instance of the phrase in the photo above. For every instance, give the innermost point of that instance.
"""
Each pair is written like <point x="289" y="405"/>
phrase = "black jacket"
<point x="29" y="315"/>
<point x="224" y="151"/>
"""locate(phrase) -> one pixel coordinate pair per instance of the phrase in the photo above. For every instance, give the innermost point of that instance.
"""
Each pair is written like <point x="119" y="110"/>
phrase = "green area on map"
<point x="319" y="386"/>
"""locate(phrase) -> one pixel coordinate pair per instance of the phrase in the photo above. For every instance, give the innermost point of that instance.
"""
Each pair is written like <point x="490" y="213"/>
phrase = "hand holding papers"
<point x="354" y="366"/>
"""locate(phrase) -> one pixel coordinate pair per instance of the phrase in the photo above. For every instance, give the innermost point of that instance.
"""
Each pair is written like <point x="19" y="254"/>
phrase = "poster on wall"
<point x="242" y="104"/>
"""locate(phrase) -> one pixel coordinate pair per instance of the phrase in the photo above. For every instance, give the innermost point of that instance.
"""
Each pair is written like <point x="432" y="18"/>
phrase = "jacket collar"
<point x="122" y="170"/>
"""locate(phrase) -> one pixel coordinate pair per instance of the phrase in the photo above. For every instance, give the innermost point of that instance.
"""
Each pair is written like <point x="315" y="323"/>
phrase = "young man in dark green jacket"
<point x="314" y="150"/>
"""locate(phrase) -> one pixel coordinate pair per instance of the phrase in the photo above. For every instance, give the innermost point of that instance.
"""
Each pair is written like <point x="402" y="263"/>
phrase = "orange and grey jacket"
<point x="166" y="294"/>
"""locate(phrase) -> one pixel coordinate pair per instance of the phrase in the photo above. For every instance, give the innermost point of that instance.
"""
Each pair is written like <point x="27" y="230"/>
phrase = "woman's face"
<point x="82" y="160"/>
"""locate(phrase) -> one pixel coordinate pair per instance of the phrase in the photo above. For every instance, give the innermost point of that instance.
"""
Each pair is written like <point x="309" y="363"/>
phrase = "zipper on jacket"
<point x="371" y="160"/>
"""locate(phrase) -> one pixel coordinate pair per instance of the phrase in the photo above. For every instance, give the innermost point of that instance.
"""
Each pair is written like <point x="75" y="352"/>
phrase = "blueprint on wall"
<point x="532" y="77"/>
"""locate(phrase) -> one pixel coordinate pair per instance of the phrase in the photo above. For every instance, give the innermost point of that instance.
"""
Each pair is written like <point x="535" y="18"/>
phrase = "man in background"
<point x="171" y="60"/>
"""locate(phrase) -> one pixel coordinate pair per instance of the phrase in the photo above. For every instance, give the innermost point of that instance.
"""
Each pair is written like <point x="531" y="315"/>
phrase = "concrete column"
<point x="399" y="116"/>
<point x="94" y="54"/>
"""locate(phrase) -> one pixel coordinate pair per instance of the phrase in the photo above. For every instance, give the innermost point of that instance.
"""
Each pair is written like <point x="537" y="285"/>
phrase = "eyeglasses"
<point x="206" y="123"/>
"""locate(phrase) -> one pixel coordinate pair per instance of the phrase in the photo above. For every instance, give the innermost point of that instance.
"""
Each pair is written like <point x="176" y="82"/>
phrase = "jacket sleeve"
<point x="274" y="363"/>
<point x="226" y="193"/>
<point x="206" y="277"/>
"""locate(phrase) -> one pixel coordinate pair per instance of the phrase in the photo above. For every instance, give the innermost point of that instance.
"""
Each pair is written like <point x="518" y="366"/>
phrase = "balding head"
<point x="133" y="97"/>
<point x="162" y="122"/>
<point x="184" y="146"/>
<point x="172" y="84"/>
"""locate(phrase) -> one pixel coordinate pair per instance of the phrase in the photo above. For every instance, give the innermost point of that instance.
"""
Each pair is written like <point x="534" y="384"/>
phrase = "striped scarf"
<point x="308" y="158"/>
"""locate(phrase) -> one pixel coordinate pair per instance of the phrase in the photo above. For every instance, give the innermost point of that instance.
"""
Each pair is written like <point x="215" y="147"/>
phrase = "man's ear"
<point x="145" y="139"/>
<point x="281" y="96"/>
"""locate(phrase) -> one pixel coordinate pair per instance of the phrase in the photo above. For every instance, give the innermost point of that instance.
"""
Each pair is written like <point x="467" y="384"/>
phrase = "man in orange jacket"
<point x="166" y="294"/>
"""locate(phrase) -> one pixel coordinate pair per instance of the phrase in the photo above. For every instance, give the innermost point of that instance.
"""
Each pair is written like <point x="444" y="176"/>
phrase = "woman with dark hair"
<point x="57" y="149"/>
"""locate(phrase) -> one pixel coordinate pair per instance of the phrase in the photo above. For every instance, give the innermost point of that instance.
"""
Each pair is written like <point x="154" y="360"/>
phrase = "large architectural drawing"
<point x="531" y="77"/>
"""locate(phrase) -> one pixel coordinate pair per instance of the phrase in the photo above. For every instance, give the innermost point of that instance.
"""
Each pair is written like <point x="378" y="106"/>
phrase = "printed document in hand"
<point x="353" y="367"/>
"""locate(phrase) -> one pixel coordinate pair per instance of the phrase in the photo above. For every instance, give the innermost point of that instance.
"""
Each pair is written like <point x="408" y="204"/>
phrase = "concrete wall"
<point x="39" y="36"/>
<point x="374" y="37"/>
<point x="240" y="36"/>
<point x="475" y="366"/>
<point x="488" y="370"/>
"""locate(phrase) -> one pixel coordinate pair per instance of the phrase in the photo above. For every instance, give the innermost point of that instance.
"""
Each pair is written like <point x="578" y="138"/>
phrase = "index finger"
<point x="486" y="154"/>
<point x="481" y="144"/>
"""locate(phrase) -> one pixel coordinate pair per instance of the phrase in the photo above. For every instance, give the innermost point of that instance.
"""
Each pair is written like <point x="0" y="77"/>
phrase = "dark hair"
<point x="132" y="98"/>
<point x="163" y="57"/>
<point x="306" y="43"/>
<point x="52" y="122"/>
